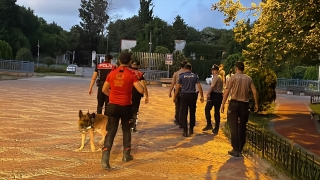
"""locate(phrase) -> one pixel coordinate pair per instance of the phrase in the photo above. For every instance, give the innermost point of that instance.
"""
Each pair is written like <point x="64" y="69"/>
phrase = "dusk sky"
<point x="196" y="13"/>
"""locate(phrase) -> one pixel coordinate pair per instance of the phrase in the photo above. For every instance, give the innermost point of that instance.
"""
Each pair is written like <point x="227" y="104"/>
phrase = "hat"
<point x="239" y="65"/>
<point x="215" y="67"/>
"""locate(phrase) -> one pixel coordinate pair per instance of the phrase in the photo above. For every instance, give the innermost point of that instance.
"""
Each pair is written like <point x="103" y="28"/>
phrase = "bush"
<point x="24" y="54"/>
<point x="5" y="51"/>
<point x="231" y="61"/>
<point x="44" y="69"/>
<point x="161" y="49"/>
<point x="178" y="57"/>
<point x="311" y="73"/>
<point x="265" y="81"/>
<point x="49" y="61"/>
<point x="298" y="72"/>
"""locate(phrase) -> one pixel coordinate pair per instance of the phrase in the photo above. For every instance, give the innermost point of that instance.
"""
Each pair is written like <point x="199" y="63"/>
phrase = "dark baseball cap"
<point x="215" y="67"/>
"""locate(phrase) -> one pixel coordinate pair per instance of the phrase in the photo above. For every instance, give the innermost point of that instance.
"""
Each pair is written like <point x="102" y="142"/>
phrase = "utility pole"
<point x="150" y="44"/>
<point x="38" y="54"/>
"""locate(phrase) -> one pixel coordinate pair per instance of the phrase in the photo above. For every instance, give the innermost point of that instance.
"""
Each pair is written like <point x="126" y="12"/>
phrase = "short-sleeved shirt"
<point x="175" y="76"/>
<point x="240" y="87"/>
<point x="188" y="81"/>
<point x="121" y="82"/>
<point x="104" y="69"/>
<point x="217" y="84"/>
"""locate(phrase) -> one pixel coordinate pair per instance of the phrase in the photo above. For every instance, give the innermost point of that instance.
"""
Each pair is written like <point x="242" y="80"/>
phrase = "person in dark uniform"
<point x="101" y="71"/>
<point x="173" y="83"/>
<point x="118" y="87"/>
<point x="186" y="87"/>
<point x="214" y="99"/>
<point x="136" y="96"/>
<point x="240" y="86"/>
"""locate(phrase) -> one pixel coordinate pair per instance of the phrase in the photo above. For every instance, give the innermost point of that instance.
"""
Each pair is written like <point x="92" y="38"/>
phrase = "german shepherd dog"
<point x="90" y="123"/>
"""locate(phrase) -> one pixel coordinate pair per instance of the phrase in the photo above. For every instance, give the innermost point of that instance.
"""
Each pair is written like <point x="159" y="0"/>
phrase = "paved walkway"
<point x="39" y="136"/>
<point x="294" y="122"/>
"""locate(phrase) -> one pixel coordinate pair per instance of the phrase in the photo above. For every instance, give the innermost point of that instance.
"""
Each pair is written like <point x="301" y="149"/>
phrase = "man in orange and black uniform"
<point x="136" y="96"/>
<point x="101" y="71"/>
<point x="118" y="87"/>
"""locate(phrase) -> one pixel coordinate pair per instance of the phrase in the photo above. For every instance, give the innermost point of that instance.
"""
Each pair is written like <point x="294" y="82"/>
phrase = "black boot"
<point x="191" y="131"/>
<point x="105" y="159"/>
<point x="126" y="155"/>
<point x="185" y="132"/>
<point x="208" y="127"/>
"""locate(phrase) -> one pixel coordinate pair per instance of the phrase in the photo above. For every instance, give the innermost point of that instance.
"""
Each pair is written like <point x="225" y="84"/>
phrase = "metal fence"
<point x="16" y="66"/>
<point x="309" y="85"/>
<point x="154" y="75"/>
<point x="300" y="165"/>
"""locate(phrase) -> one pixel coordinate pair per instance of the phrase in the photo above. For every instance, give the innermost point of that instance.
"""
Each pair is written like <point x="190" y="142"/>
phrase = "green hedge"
<point x="203" y="68"/>
<point x="200" y="49"/>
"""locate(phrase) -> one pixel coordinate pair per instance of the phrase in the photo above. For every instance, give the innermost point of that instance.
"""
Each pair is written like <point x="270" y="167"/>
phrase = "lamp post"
<point x="38" y="54"/>
<point x="107" y="41"/>
<point x="149" y="66"/>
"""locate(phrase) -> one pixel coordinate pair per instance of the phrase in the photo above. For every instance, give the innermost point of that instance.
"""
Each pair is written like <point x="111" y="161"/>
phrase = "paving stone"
<point x="39" y="135"/>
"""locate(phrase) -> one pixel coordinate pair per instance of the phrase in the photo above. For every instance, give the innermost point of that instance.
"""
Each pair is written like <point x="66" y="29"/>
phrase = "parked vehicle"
<point x="71" y="68"/>
<point x="209" y="80"/>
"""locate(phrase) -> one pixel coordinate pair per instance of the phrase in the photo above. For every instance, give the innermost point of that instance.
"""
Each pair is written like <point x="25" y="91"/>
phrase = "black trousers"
<point x="214" y="101"/>
<point x="136" y="98"/>
<point x="115" y="113"/>
<point x="238" y="110"/>
<point x="103" y="99"/>
<point x="188" y="101"/>
<point x="177" y="108"/>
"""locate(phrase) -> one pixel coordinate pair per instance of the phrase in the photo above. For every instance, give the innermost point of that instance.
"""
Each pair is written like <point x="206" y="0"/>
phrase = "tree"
<point x="24" y="54"/>
<point x="145" y="12"/>
<point x="5" y="51"/>
<point x="119" y="30"/>
<point x="161" y="34"/>
<point x="285" y="31"/>
<point x="161" y="49"/>
<point x="94" y="18"/>
<point x="179" y="29"/>
<point x="193" y="34"/>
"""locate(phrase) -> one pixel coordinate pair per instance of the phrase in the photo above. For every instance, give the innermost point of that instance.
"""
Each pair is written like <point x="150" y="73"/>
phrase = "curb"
<point x="271" y="128"/>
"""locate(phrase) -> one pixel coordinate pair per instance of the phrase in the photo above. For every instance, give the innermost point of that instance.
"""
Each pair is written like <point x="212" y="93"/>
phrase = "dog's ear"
<point x="88" y="112"/>
<point x="93" y="115"/>
<point x="80" y="114"/>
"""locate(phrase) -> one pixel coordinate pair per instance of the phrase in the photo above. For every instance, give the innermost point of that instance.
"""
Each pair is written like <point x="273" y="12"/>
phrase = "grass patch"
<point x="315" y="108"/>
<point x="262" y="120"/>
